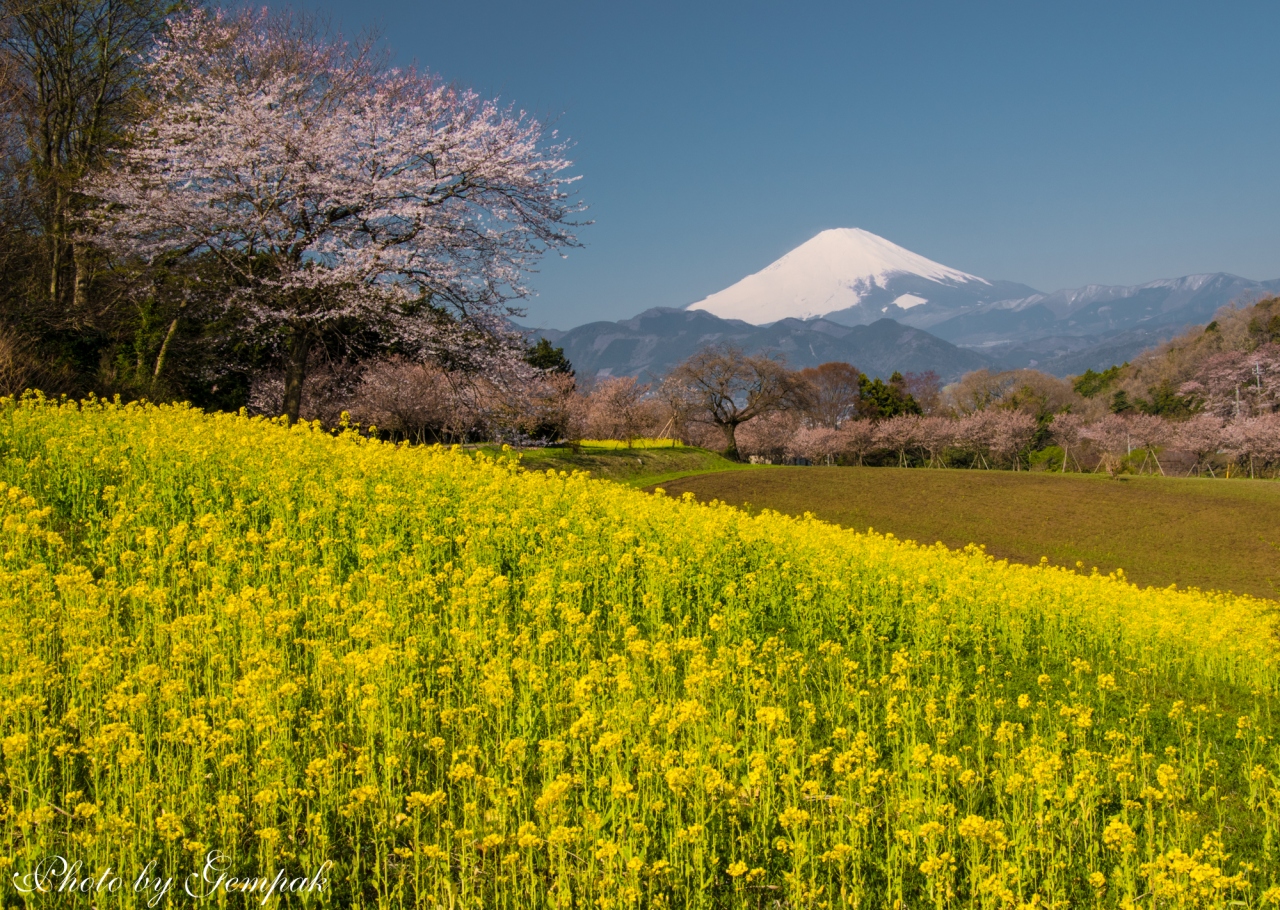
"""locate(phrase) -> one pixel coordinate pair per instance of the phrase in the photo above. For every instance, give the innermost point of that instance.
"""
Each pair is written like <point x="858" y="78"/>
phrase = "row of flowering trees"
<point x="1205" y="444"/>
<point x="522" y="404"/>
<point x="1206" y="441"/>
<point x="996" y="438"/>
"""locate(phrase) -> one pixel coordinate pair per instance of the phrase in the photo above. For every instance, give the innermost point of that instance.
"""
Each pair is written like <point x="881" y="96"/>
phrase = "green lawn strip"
<point x="636" y="467"/>
<point x="1212" y="534"/>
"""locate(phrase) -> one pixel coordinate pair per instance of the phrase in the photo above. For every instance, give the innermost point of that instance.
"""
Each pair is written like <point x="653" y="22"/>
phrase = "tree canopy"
<point x="334" y="194"/>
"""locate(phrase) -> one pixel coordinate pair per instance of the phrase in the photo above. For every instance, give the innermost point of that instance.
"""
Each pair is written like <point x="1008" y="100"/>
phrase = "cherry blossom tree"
<point x="1110" y="438"/>
<point x="1265" y="444"/>
<point x="1065" y="430"/>
<point x="412" y="401"/>
<point x="1236" y="384"/>
<point x="857" y="440"/>
<point x="936" y="434"/>
<point x="899" y="434"/>
<point x="1254" y="441"/>
<point x="618" y="408"/>
<point x="510" y="400"/>
<point x="767" y="437"/>
<point x="816" y="445"/>
<point x="527" y="409"/>
<point x="337" y="194"/>
<point x="973" y="436"/>
<point x="1010" y="433"/>
<point x="1200" y="437"/>
<point x="1148" y="432"/>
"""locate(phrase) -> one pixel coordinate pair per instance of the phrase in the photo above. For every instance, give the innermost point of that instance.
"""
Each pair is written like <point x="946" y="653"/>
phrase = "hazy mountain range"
<point x="850" y="295"/>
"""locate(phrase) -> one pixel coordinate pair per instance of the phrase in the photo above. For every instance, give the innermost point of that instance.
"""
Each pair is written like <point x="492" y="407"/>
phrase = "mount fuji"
<point x="854" y="277"/>
<point x="850" y="295"/>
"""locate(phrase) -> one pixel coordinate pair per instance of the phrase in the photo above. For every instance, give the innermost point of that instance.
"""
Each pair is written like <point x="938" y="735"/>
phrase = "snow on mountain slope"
<point x="835" y="270"/>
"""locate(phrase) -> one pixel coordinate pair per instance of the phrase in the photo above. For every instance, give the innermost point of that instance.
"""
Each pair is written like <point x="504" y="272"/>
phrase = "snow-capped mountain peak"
<point x="836" y="270"/>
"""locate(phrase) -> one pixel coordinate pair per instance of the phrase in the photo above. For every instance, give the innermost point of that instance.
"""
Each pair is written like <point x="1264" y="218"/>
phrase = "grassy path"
<point x="1213" y="534"/>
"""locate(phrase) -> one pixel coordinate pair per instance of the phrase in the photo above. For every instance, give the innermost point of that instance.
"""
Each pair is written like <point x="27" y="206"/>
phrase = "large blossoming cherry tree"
<point x="332" y="190"/>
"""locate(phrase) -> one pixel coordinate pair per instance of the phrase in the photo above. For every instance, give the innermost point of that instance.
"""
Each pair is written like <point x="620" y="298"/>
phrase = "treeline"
<point x="1226" y="422"/>
<point x="70" y="321"/>
<point x="709" y="400"/>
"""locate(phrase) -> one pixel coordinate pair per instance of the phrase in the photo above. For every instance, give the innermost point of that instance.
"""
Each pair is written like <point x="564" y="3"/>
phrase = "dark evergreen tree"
<point x="880" y="400"/>
<point x="543" y="356"/>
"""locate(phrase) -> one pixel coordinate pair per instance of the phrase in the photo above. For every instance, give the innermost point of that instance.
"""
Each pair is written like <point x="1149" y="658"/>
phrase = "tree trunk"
<point x="295" y="372"/>
<point x="730" y="441"/>
<point x="55" y="271"/>
<point x="164" y="349"/>
<point x="80" y="293"/>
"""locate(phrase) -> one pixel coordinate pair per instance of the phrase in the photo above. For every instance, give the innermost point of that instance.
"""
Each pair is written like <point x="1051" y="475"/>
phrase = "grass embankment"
<point x="1212" y="534"/>
<point x="470" y="686"/>
<point x="643" y="465"/>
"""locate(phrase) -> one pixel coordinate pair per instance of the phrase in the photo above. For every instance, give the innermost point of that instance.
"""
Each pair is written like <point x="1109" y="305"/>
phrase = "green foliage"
<point x="879" y="400"/>
<point x="1091" y="383"/>
<point x="1165" y="402"/>
<point x="1120" y="403"/>
<point x="1032" y="401"/>
<point x="1047" y="459"/>
<point x="543" y="356"/>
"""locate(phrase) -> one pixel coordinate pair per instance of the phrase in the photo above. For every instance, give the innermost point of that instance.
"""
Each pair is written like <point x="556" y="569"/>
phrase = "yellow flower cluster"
<point x="470" y="686"/>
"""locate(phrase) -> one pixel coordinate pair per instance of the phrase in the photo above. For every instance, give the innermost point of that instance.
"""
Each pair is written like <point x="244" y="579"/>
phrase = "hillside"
<point x="1237" y="347"/>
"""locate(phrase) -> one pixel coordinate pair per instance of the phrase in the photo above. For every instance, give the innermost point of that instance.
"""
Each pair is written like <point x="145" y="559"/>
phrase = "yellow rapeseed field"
<point x="464" y="685"/>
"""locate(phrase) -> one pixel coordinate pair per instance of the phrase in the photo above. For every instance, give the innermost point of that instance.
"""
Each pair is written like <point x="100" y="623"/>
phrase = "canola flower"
<point x="466" y="685"/>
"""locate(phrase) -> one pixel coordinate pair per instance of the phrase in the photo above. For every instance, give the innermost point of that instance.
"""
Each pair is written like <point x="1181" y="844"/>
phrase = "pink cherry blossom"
<point x="335" y="192"/>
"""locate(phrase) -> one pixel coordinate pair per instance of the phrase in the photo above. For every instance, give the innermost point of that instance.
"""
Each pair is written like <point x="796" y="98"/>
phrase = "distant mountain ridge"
<point x="813" y="304"/>
<point x="1101" y="310"/>
<point x="652" y="343"/>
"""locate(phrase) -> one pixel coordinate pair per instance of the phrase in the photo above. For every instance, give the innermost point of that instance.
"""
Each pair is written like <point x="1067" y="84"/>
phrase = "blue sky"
<point x="1056" y="144"/>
